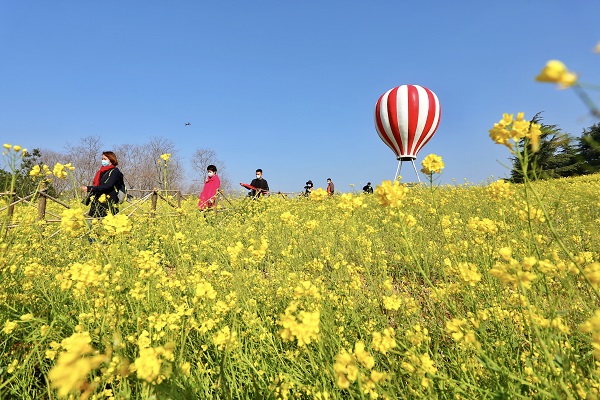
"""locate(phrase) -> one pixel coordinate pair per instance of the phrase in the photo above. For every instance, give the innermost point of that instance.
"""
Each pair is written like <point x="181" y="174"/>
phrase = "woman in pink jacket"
<point x="209" y="192"/>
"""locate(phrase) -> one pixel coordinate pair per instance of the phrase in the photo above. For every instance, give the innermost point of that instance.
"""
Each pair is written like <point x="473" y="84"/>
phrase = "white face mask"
<point x="258" y="176"/>
<point x="211" y="173"/>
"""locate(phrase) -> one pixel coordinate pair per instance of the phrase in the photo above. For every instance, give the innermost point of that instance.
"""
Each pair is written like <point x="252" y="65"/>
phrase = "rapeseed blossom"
<point x="148" y="364"/>
<point x="593" y="325"/>
<point x="35" y="171"/>
<point x="432" y="164"/>
<point x="556" y="72"/>
<point x="73" y="365"/>
<point x="500" y="189"/>
<point x="390" y="194"/>
<point x="117" y="224"/>
<point x="303" y="327"/>
<point x="9" y="327"/>
<point x="384" y="341"/>
<point x="318" y="195"/>
<point x="72" y="220"/>
<point x="59" y="171"/>
<point x="516" y="129"/>
<point x="225" y="338"/>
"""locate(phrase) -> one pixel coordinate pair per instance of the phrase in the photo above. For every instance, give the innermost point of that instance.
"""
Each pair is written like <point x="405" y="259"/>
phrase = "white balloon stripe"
<point x="402" y="114"/>
<point x="385" y="123"/>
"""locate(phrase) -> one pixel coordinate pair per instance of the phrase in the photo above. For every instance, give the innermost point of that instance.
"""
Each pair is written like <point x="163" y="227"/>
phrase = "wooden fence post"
<point x="42" y="206"/>
<point x="154" y="201"/>
<point x="11" y="205"/>
<point x="179" y="198"/>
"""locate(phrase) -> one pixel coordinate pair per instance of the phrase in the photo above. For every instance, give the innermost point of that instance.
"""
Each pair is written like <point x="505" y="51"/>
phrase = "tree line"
<point x="560" y="155"/>
<point x="138" y="162"/>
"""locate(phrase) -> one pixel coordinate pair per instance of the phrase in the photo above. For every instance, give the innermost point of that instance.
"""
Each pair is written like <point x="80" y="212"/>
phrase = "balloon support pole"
<point x="399" y="169"/>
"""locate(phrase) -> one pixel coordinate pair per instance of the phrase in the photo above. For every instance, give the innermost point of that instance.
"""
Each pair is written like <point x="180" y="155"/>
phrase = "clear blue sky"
<point x="289" y="86"/>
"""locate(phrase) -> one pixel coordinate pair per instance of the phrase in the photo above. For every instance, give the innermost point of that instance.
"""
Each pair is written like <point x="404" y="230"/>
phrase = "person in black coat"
<point x="259" y="183"/>
<point x="368" y="188"/>
<point x="106" y="181"/>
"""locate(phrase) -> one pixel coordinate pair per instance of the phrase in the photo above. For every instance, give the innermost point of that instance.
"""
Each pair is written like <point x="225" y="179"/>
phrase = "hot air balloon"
<point x="406" y="117"/>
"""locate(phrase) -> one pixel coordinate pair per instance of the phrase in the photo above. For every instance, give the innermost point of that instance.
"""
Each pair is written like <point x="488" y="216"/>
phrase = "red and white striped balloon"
<point x="406" y="117"/>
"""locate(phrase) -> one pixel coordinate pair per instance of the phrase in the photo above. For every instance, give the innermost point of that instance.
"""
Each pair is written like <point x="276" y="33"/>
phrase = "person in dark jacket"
<point x="368" y="188"/>
<point x="308" y="188"/>
<point x="260" y="184"/>
<point x="103" y="192"/>
<point x="330" y="187"/>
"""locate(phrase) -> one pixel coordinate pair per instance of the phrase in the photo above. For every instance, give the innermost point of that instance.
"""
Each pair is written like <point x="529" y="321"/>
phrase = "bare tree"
<point x="201" y="159"/>
<point x="85" y="157"/>
<point x="174" y="168"/>
<point x="50" y="158"/>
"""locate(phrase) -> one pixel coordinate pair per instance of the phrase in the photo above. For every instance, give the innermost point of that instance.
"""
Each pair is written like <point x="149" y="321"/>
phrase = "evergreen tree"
<point x="588" y="150"/>
<point x="25" y="184"/>
<point x="556" y="156"/>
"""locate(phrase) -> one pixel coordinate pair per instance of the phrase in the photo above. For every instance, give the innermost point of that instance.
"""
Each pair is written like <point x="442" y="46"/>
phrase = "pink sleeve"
<point x="210" y="190"/>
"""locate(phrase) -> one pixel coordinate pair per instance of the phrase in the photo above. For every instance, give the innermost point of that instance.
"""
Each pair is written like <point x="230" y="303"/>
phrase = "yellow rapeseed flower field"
<point x="457" y="291"/>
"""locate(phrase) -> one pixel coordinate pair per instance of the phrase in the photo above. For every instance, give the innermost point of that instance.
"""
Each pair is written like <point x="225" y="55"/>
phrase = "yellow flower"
<point x="26" y="317"/>
<point x="592" y="272"/>
<point x="363" y="356"/>
<point x="35" y="171"/>
<point x="59" y="171"/>
<point x="164" y="157"/>
<point x="12" y="366"/>
<point x="383" y="342"/>
<point x="7" y="146"/>
<point x="318" y="195"/>
<point x="117" y="224"/>
<point x="148" y="364"/>
<point x="16" y="148"/>
<point x="390" y="194"/>
<point x="468" y="273"/>
<point x="345" y="369"/>
<point x="185" y="368"/>
<point x="432" y="164"/>
<point x="593" y="325"/>
<point x="72" y="367"/>
<point x="556" y="72"/>
<point x="72" y="220"/>
<point x="9" y="327"/>
<point x="225" y="338"/>
<point x="304" y="327"/>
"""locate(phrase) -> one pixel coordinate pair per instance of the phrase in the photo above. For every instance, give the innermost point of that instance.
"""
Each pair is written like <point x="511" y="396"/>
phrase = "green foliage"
<point x="588" y="149"/>
<point x="24" y="184"/>
<point x="559" y="155"/>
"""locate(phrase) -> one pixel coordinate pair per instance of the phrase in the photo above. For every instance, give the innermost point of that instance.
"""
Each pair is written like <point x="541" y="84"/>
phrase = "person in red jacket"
<point x="212" y="183"/>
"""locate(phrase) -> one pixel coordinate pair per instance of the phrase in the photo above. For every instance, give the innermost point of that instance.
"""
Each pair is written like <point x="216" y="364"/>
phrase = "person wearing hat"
<point x="330" y="187"/>
<point x="368" y="188"/>
<point x="308" y="188"/>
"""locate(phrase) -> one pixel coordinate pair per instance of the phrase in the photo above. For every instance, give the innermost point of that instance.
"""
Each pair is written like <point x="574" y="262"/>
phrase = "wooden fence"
<point x="132" y="205"/>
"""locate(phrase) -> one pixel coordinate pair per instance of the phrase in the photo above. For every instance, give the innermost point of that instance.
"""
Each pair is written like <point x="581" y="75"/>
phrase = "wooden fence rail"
<point x="132" y="202"/>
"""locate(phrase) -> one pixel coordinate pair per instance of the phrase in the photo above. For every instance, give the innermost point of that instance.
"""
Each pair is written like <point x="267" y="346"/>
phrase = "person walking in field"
<point x="103" y="192"/>
<point x="259" y="184"/>
<point x="207" y="198"/>
<point x="368" y="188"/>
<point x="330" y="187"/>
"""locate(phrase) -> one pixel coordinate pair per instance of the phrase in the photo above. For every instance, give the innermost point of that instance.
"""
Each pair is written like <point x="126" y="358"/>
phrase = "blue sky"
<point x="289" y="86"/>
